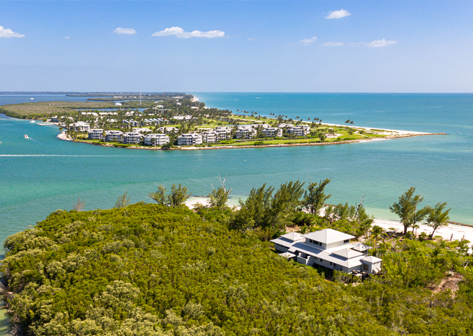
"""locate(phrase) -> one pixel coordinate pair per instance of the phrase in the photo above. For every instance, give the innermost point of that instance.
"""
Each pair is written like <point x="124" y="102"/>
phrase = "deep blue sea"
<point x="42" y="174"/>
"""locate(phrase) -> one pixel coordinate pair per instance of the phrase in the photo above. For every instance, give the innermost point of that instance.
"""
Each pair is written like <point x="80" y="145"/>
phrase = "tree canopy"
<point x="158" y="269"/>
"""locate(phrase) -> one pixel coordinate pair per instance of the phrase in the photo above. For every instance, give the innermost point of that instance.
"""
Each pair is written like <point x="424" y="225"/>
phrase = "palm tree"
<point x="438" y="217"/>
<point x="376" y="233"/>
<point x="406" y="208"/>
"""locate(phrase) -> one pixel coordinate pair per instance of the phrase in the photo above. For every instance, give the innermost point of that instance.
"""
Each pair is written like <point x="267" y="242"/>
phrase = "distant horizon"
<point x="196" y="92"/>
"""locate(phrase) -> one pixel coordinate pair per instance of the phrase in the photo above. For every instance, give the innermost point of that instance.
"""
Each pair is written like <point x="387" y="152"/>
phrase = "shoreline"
<point x="453" y="231"/>
<point x="406" y="134"/>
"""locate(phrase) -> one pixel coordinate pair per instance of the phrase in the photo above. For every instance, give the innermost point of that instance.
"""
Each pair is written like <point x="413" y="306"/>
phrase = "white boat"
<point x="31" y="98"/>
<point x="32" y="121"/>
<point x="26" y="136"/>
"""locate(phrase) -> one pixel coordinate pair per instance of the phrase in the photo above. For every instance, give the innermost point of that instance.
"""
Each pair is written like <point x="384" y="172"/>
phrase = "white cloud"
<point x="338" y="14"/>
<point x="7" y="33"/>
<point x="333" y="44"/>
<point x="180" y="33"/>
<point x="380" y="43"/>
<point x="125" y="31"/>
<point x="308" y="41"/>
<point x="67" y="37"/>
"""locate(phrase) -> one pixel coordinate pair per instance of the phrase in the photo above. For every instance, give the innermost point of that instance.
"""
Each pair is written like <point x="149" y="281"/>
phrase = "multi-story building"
<point x="223" y="132"/>
<point x="80" y="126"/>
<point x="132" y="138"/>
<point x="245" y="132"/>
<point x="302" y="130"/>
<point x="168" y="130"/>
<point x="272" y="132"/>
<point x="156" y="139"/>
<point x="209" y="136"/>
<point x="189" y="139"/>
<point x="96" y="134"/>
<point x="113" y="136"/>
<point x="328" y="248"/>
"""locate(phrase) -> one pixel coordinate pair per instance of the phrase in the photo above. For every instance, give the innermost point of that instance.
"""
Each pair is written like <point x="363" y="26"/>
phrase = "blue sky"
<point x="199" y="46"/>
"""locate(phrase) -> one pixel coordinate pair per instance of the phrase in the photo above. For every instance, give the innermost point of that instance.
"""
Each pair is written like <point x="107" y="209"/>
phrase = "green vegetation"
<point x="150" y="113"/>
<point x="151" y="269"/>
<point x="176" y="197"/>
<point x="38" y="110"/>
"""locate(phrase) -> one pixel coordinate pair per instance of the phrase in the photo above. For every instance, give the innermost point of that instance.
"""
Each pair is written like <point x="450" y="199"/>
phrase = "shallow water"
<point x="42" y="174"/>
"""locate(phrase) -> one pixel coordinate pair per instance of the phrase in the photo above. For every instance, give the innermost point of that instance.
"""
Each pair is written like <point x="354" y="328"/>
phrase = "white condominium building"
<point x="113" y="136"/>
<point x="80" y="126"/>
<point x="272" y="132"/>
<point x="245" y="132"/>
<point x="209" y="136"/>
<point x="299" y="130"/>
<point x="132" y="138"/>
<point x="189" y="139"/>
<point x="156" y="139"/>
<point x="96" y="134"/>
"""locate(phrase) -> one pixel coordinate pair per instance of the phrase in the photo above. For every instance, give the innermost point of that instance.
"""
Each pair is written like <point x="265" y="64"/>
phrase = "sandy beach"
<point x="64" y="136"/>
<point x="450" y="232"/>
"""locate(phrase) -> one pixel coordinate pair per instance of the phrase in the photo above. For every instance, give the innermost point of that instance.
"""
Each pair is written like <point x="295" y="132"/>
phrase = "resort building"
<point x="328" y="248"/>
<point x="284" y="125"/>
<point x="183" y="117"/>
<point x="272" y="132"/>
<point x="168" y="130"/>
<point x="96" y="134"/>
<point x="189" y="139"/>
<point x="80" y="126"/>
<point x="132" y="123"/>
<point x="223" y="134"/>
<point x="245" y="132"/>
<point x="302" y="130"/>
<point x="142" y="130"/>
<point x="209" y="136"/>
<point x="156" y="139"/>
<point x="132" y="138"/>
<point x="113" y="136"/>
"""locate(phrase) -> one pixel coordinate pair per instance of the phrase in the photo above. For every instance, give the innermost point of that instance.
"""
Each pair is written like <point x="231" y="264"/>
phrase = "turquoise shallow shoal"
<point x="42" y="174"/>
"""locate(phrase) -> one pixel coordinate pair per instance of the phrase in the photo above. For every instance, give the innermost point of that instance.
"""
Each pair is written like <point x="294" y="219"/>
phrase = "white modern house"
<point x="328" y="248"/>
<point x="96" y="134"/>
<point x="113" y="136"/>
<point x="156" y="139"/>
<point x="189" y="139"/>
<point x="132" y="138"/>
<point x="272" y="132"/>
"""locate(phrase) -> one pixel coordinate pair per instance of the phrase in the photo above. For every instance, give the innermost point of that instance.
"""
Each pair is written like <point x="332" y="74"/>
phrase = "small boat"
<point x="31" y="98"/>
<point x="26" y="136"/>
<point x="32" y="121"/>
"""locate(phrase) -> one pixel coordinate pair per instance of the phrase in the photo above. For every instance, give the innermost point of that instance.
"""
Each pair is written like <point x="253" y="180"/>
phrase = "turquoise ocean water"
<point x="42" y="174"/>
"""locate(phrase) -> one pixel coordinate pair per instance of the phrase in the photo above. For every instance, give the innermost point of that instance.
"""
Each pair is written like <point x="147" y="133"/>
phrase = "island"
<point x="179" y="121"/>
<point x="167" y="270"/>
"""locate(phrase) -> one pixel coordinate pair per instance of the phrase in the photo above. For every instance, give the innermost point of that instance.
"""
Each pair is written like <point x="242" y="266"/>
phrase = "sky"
<point x="237" y="46"/>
